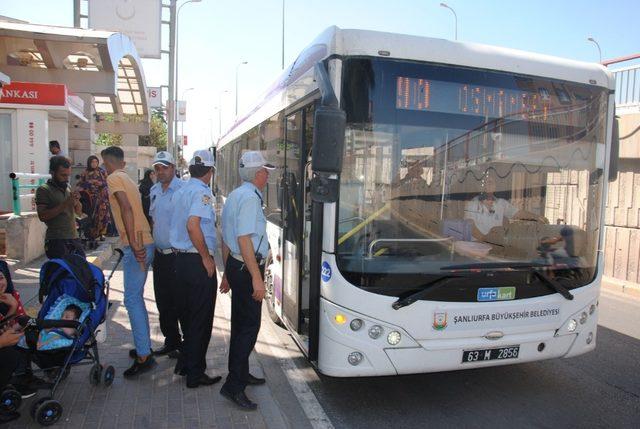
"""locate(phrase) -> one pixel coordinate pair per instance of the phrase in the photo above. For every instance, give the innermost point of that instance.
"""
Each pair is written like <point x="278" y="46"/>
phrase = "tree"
<point x="158" y="131"/>
<point x="106" y="139"/>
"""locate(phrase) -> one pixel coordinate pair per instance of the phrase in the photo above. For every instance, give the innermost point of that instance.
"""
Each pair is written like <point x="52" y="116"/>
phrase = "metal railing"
<point x="627" y="86"/>
<point x="16" y="187"/>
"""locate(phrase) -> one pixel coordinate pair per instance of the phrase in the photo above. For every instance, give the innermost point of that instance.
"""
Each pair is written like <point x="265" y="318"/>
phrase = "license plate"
<point x="501" y="353"/>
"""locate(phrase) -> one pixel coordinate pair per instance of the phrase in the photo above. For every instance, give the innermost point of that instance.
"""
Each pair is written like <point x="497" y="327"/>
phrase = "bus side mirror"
<point x="615" y="150"/>
<point x="328" y="139"/>
<point x="328" y="146"/>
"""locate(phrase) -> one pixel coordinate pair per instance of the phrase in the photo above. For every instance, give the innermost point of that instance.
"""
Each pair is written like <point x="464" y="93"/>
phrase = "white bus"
<point x="436" y="205"/>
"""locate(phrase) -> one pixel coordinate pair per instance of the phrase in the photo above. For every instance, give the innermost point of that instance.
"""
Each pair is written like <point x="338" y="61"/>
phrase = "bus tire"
<point x="269" y="299"/>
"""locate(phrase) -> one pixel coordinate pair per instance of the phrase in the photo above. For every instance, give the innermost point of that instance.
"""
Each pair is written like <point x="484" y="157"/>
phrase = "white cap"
<point x="254" y="159"/>
<point x="163" y="157"/>
<point x="202" y="157"/>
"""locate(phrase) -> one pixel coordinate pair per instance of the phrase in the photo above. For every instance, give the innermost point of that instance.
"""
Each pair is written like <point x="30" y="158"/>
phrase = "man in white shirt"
<point x="488" y="211"/>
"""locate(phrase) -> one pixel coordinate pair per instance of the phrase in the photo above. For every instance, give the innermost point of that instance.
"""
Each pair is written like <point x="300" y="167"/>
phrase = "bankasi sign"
<point x="47" y="94"/>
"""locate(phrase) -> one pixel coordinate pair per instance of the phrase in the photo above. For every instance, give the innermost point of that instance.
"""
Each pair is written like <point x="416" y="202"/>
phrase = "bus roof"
<point x="349" y="42"/>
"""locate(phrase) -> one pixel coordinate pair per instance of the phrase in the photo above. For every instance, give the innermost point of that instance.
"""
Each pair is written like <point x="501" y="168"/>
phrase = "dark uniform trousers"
<point x="59" y="247"/>
<point x="169" y="297"/>
<point x="245" y="324"/>
<point x="197" y="312"/>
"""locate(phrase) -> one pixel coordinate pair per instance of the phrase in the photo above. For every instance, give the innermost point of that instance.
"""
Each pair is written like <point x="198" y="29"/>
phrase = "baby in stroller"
<point x="74" y="304"/>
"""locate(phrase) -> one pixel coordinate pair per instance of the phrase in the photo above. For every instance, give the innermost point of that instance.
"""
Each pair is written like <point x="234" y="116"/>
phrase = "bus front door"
<point x="292" y="221"/>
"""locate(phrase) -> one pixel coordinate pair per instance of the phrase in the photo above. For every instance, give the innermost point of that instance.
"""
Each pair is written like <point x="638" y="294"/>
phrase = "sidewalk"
<point x="160" y="399"/>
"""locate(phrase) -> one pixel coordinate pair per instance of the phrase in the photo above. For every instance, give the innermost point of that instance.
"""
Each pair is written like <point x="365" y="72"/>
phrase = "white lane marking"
<point x="297" y="380"/>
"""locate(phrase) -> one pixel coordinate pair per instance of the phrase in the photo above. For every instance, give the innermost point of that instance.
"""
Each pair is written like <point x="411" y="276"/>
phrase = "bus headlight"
<point x="394" y="338"/>
<point x="355" y="358"/>
<point x="356" y="324"/>
<point x="583" y="318"/>
<point x="375" y="331"/>
<point x="592" y="309"/>
<point x="590" y="338"/>
<point x="572" y="325"/>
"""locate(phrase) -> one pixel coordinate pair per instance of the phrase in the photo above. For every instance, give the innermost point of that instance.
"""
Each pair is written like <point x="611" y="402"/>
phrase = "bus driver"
<point x="486" y="211"/>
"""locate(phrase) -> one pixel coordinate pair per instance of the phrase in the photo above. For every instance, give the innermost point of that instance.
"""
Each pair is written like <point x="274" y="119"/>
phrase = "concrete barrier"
<point x="24" y="237"/>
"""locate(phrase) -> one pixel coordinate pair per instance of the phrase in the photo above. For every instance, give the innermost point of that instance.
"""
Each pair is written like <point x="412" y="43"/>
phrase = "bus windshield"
<point x="449" y="167"/>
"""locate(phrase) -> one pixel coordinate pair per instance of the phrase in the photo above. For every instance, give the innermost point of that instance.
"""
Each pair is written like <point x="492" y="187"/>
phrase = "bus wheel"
<point x="269" y="298"/>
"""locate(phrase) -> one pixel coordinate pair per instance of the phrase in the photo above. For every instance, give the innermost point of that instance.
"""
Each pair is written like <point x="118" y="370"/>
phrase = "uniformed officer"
<point x="193" y="237"/>
<point x="168" y="296"/>
<point x="244" y="249"/>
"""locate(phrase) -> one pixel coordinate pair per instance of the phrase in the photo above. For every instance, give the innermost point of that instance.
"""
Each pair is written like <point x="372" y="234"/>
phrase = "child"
<point x="71" y="312"/>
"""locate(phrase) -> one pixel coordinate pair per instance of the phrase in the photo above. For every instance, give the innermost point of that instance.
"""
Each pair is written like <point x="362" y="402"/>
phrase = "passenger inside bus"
<point x="487" y="211"/>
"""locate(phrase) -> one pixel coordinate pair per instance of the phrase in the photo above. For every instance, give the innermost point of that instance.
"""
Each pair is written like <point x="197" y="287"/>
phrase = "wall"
<point x="622" y="213"/>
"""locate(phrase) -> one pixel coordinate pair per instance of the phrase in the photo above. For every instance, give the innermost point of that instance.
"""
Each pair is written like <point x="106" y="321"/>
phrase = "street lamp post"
<point x="592" y="40"/>
<point x="454" y="16"/>
<point x="177" y="50"/>
<point x="237" y="68"/>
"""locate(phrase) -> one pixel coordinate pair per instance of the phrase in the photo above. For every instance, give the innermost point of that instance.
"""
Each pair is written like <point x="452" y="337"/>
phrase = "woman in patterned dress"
<point x="94" y="182"/>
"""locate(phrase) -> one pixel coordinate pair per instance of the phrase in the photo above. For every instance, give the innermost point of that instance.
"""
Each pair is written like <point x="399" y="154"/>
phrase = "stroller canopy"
<point x="71" y="275"/>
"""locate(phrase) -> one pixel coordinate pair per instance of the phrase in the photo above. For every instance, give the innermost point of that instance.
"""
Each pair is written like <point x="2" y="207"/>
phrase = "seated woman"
<point x="487" y="211"/>
<point x="10" y="305"/>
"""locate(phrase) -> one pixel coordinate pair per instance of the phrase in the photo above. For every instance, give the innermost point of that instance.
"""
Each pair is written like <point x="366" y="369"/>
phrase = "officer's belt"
<point x="239" y="257"/>
<point x="167" y="251"/>
<point x="193" y="250"/>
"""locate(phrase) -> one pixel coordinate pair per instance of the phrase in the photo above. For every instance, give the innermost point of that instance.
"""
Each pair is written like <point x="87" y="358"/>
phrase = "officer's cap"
<point x="163" y="157"/>
<point x="254" y="159"/>
<point x="202" y="157"/>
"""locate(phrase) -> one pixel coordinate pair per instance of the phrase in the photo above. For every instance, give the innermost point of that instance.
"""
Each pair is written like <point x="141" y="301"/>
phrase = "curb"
<point x="103" y="253"/>
<point x="620" y="286"/>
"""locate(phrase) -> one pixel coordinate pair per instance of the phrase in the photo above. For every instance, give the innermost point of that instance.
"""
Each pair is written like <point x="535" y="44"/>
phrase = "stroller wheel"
<point x="10" y="400"/>
<point x="95" y="375"/>
<point x="109" y="375"/>
<point x="49" y="412"/>
<point x="35" y="404"/>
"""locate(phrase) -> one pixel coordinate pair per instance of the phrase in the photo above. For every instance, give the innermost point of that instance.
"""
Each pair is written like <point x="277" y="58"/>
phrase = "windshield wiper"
<point x="427" y="287"/>
<point x="533" y="267"/>
<point x="553" y="284"/>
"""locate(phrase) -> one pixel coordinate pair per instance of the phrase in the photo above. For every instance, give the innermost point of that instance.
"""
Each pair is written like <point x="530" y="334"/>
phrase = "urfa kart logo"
<point x="19" y="93"/>
<point x="439" y="321"/>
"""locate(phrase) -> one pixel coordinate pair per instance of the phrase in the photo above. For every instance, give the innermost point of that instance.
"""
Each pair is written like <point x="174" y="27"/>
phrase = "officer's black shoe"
<point x="133" y="354"/>
<point x="165" y="350"/>
<point x="140" y="367"/>
<point x="240" y="399"/>
<point x="203" y="380"/>
<point x="255" y="381"/>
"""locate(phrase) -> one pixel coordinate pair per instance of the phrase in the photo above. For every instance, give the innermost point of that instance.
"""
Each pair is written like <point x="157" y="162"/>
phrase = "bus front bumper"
<point x="377" y="358"/>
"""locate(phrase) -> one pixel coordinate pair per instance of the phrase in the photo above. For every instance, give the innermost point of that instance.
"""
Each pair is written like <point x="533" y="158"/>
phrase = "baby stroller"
<point x="73" y="279"/>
